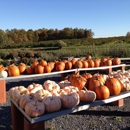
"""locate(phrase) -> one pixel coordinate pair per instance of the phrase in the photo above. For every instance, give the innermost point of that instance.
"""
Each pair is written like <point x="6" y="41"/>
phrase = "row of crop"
<point x="118" y="50"/>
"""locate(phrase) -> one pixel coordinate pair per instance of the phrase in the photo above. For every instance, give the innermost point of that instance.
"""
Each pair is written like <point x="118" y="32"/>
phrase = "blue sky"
<point x="106" y="18"/>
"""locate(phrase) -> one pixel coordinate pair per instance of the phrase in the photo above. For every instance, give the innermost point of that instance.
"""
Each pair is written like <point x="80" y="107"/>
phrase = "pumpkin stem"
<point x="35" y="103"/>
<point x="85" y="88"/>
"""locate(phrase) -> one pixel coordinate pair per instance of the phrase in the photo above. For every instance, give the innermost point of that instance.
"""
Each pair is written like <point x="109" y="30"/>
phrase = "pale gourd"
<point x="3" y="74"/>
<point x="35" y="108"/>
<point x="52" y="104"/>
<point x="70" y="100"/>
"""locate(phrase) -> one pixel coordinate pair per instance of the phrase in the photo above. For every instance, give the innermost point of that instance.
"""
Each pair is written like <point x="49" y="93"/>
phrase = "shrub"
<point x="60" y="44"/>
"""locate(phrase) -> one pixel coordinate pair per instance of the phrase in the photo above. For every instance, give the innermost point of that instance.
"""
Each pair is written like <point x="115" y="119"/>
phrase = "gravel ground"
<point x="106" y="117"/>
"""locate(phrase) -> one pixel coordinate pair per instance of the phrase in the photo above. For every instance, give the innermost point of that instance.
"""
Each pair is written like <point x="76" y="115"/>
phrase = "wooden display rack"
<point x="21" y="121"/>
<point x="63" y="75"/>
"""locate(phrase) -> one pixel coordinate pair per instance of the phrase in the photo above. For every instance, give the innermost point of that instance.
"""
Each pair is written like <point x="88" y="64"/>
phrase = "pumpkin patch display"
<point x="35" y="108"/>
<point x="70" y="100"/>
<point x="52" y="104"/>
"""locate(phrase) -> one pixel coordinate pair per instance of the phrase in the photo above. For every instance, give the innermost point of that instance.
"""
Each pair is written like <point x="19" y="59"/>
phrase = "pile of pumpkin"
<point x="36" y="99"/>
<point x="42" y="66"/>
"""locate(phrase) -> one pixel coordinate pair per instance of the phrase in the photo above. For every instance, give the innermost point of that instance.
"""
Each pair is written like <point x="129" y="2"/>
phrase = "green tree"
<point x="3" y="37"/>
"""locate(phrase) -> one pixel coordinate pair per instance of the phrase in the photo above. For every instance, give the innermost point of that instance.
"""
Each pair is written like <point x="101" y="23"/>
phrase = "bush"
<point x="60" y="44"/>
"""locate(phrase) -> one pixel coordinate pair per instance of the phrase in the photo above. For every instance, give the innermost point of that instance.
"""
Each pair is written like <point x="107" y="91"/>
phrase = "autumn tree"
<point x="128" y="34"/>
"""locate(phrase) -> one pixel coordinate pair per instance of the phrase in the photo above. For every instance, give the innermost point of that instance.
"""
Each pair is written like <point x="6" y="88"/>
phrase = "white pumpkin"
<point x="3" y="74"/>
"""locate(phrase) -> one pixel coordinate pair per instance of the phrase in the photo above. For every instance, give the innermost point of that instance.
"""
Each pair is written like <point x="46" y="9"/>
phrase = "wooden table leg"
<point x="2" y="91"/>
<point x="123" y="68"/>
<point x="17" y="118"/>
<point x="64" y="76"/>
<point x="34" y="126"/>
<point x="118" y="103"/>
<point x="109" y="70"/>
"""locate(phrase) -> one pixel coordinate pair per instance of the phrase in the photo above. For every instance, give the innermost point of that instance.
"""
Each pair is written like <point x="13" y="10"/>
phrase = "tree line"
<point x="30" y="36"/>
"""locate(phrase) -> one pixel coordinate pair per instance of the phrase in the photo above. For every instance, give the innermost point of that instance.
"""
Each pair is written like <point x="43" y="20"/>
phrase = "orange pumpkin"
<point x="85" y="64"/>
<point x="78" y="64"/>
<point x="88" y="57"/>
<point x="34" y="64"/>
<point x="68" y="65"/>
<point x="39" y="69"/>
<point x="52" y="65"/>
<point x="108" y="62"/>
<point x="22" y="68"/>
<point x="102" y="92"/>
<point x="60" y="66"/>
<point x="116" y="61"/>
<point x="113" y="85"/>
<point x="13" y="70"/>
<point x="97" y="62"/>
<point x="47" y="69"/>
<point x="73" y="62"/>
<point x="103" y="61"/>
<point x="29" y="70"/>
<point x="43" y="62"/>
<point x="95" y="81"/>
<point x="79" y="82"/>
<point x="90" y="63"/>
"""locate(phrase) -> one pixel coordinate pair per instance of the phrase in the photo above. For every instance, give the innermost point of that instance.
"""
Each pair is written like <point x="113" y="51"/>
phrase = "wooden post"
<point x="34" y="126"/>
<point x="123" y="68"/>
<point x="118" y="103"/>
<point x="63" y="76"/>
<point x="17" y="118"/>
<point x="2" y="91"/>
<point x="109" y="70"/>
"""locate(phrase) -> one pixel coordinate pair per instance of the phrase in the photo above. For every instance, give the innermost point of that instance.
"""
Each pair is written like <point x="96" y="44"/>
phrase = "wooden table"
<point x="21" y="121"/>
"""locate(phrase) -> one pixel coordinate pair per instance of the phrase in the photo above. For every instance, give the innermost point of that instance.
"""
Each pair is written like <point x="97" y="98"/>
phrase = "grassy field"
<point x="54" y="53"/>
